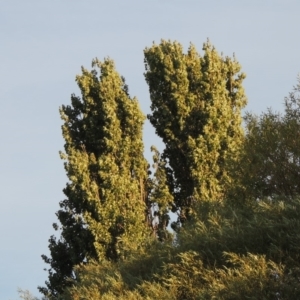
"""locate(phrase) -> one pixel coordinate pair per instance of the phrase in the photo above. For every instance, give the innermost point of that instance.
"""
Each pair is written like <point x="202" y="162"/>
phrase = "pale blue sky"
<point x="43" y="45"/>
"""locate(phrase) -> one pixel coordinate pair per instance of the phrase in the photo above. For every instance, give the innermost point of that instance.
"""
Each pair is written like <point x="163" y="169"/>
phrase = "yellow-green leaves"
<point x="103" y="215"/>
<point x="196" y="102"/>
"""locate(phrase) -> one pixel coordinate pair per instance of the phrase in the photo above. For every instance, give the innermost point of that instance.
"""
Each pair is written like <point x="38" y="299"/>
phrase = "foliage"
<point x="237" y="196"/>
<point x="251" y="253"/>
<point x="120" y="280"/>
<point x="196" y="103"/>
<point x="26" y="295"/>
<point x="160" y="197"/>
<point x="104" y="213"/>
<point x="270" y="166"/>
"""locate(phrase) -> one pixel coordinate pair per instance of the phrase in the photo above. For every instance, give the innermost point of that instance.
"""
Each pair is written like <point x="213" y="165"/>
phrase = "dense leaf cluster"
<point x="236" y="194"/>
<point x="249" y="253"/>
<point x="103" y="215"/>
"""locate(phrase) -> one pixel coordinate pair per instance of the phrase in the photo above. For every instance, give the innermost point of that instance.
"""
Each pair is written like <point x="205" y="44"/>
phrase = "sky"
<point x="43" y="46"/>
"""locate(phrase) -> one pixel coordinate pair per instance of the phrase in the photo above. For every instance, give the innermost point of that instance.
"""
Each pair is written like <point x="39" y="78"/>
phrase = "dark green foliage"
<point x="270" y="164"/>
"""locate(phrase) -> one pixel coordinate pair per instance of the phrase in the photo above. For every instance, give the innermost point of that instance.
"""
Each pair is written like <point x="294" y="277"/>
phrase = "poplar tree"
<point x="103" y="215"/>
<point x="196" y="104"/>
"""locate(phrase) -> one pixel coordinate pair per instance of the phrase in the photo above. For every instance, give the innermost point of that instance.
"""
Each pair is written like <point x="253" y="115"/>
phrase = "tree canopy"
<point x="196" y="104"/>
<point x="235" y="190"/>
<point x="104" y="213"/>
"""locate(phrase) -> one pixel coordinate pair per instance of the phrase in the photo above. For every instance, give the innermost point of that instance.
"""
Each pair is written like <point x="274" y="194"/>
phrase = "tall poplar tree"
<point x="103" y="215"/>
<point x="196" y="110"/>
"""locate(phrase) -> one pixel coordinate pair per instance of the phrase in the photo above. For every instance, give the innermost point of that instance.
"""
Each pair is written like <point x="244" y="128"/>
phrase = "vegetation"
<point x="236" y="193"/>
<point x="196" y="107"/>
<point x="103" y="215"/>
<point x="234" y="254"/>
<point x="272" y="152"/>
